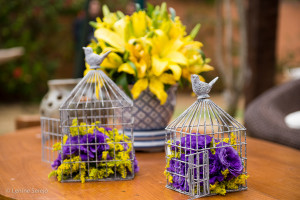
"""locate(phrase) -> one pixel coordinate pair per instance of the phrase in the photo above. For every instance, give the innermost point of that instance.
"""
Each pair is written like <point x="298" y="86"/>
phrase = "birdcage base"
<point x="242" y="188"/>
<point x="117" y="178"/>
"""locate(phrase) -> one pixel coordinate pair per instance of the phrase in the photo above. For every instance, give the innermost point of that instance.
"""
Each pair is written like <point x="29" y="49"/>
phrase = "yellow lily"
<point x="155" y="84"/>
<point x="151" y="49"/>
<point x="166" y="54"/>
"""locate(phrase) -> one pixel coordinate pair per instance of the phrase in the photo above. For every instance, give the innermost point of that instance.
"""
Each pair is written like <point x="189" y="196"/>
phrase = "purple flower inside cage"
<point x="224" y="157"/>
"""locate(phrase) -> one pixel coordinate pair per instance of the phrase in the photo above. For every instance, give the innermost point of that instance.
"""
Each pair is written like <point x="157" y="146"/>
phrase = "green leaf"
<point x="120" y="14"/>
<point x="93" y="24"/>
<point x="105" y="10"/>
<point x="126" y="56"/>
<point x="122" y="81"/>
<point x="134" y="67"/>
<point x="202" y="54"/>
<point x="163" y="9"/>
<point x="173" y="13"/>
<point x="195" y="31"/>
<point x="111" y="73"/>
<point x="150" y="9"/>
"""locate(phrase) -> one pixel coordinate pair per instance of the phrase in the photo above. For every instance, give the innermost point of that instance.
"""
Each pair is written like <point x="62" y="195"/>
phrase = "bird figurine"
<point x="94" y="60"/>
<point x="201" y="89"/>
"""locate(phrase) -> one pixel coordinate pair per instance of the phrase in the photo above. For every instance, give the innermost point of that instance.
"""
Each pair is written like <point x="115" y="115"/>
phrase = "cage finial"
<point x="94" y="60"/>
<point x="201" y="89"/>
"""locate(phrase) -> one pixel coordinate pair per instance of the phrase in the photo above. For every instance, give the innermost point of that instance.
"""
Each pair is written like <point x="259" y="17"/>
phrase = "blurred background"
<point x="253" y="45"/>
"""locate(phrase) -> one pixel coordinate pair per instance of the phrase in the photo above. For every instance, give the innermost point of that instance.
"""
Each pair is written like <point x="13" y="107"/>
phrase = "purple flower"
<point x="217" y="177"/>
<point x="225" y="157"/>
<point x="70" y="147"/>
<point x="90" y="147"/>
<point x="135" y="165"/>
<point x="196" y="142"/>
<point x="56" y="162"/>
<point x="178" y="181"/>
<point x="90" y="151"/>
<point x="125" y="145"/>
<point x="229" y="159"/>
<point x="108" y="129"/>
<point x="214" y="164"/>
<point x="173" y="147"/>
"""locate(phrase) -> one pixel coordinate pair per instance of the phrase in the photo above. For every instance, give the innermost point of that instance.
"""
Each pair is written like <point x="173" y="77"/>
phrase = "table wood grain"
<point x="274" y="174"/>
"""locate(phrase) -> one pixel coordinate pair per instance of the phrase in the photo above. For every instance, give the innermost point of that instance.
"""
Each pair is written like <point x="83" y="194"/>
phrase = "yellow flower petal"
<point x="141" y="68"/>
<point x="173" y="45"/>
<point x="167" y="79"/>
<point x="206" y="68"/>
<point x="158" y="65"/>
<point x="139" y="87"/>
<point x="87" y="69"/>
<point x="139" y="23"/>
<point x="98" y="87"/>
<point x="112" y="61"/>
<point x="177" y="57"/>
<point x="177" y="29"/>
<point x="176" y="70"/>
<point x="121" y="27"/>
<point x="157" y="88"/>
<point x="201" y="78"/>
<point x="111" y="38"/>
<point x="126" y="68"/>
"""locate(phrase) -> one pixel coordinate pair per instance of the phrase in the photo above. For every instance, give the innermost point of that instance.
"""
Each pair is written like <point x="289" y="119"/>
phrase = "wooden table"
<point x="274" y="174"/>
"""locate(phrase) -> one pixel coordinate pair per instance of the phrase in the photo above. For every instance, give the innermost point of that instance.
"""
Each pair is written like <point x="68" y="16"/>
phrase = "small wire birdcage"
<point x="205" y="148"/>
<point x="92" y="141"/>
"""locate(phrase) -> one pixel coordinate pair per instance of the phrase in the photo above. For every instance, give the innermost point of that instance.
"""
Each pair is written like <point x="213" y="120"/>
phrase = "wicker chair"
<point x="264" y="116"/>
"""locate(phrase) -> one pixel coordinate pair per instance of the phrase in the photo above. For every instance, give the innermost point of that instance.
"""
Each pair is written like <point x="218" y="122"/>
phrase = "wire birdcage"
<point x="205" y="148"/>
<point x="93" y="120"/>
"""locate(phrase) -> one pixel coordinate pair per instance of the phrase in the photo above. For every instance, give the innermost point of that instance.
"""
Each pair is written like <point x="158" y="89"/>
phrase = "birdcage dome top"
<point x="204" y="115"/>
<point x="96" y="88"/>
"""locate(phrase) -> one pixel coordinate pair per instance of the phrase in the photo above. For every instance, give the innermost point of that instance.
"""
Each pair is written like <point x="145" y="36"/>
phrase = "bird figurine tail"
<point x="211" y="83"/>
<point x="105" y="55"/>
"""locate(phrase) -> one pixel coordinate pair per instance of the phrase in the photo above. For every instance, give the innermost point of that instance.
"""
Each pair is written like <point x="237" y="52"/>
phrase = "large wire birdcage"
<point x="205" y="148"/>
<point x="93" y="120"/>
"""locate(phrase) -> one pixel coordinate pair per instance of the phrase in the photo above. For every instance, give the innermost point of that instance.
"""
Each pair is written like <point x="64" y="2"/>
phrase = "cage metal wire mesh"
<point x="51" y="135"/>
<point x="91" y="131"/>
<point x="191" y="139"/>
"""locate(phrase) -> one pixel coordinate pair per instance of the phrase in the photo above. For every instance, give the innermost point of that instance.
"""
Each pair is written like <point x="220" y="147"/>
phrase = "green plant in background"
<point x="32" y="25"/>
<point x="44" y="29"/>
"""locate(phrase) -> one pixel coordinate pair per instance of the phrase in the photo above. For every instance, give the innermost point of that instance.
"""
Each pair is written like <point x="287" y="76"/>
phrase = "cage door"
<point x="198" y="174"/>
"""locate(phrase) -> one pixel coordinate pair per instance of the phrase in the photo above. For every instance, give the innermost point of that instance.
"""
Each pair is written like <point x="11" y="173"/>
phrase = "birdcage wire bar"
<point x="203" y="117"/>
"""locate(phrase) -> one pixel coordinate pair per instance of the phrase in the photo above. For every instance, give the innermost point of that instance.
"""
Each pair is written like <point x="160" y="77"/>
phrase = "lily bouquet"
<point x="150" y="50"/>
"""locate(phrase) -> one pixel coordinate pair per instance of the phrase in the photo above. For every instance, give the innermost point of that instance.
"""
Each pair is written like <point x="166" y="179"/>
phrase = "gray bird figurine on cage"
<point x="94" y="60"/>
<point x="201" y="89"/>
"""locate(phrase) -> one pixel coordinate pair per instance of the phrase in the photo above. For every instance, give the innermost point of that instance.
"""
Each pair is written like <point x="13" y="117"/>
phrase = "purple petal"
<point x="56" y="162"/>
